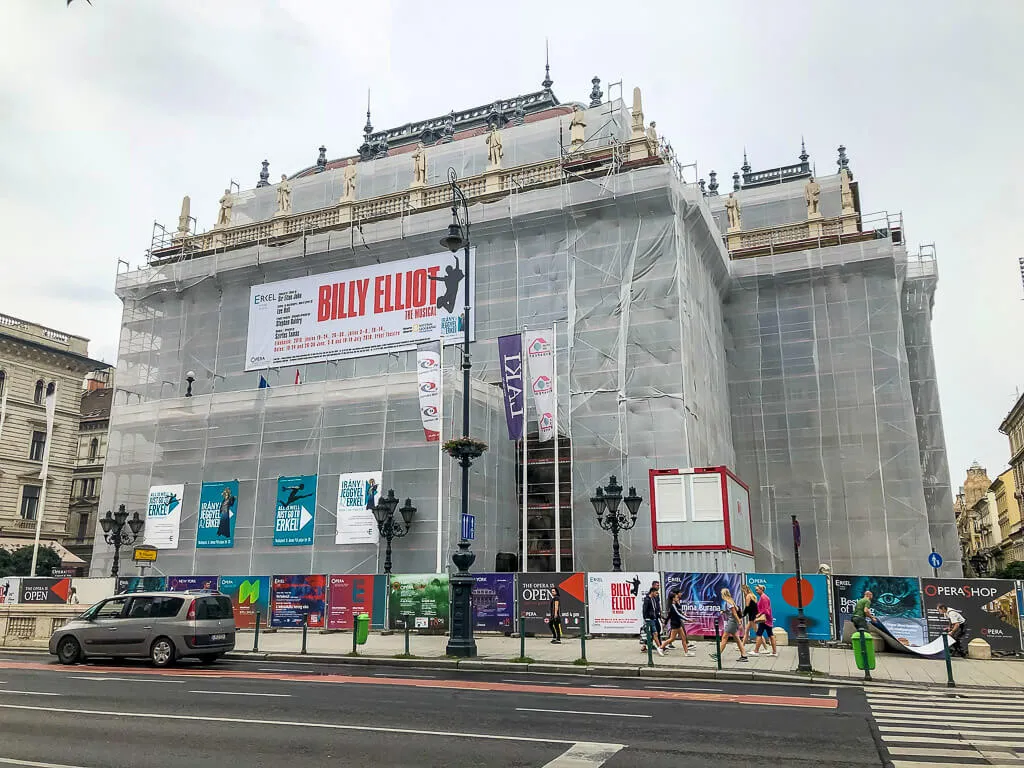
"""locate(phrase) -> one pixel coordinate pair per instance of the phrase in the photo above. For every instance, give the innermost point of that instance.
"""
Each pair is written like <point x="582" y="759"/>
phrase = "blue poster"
<point x="298" y="599"/>
<point x="781" y="590"/>
<point x="896" y="602"/>
<point x="494" y="602"/>
<point x="140" y="584"/>
<point x="185" y="583"/>
<point x="295" y="510"/>
<point x="218" y="508"/>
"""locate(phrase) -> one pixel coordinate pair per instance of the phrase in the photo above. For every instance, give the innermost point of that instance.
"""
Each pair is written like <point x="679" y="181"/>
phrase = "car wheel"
<point x="161" y="653"/>
<point x="209" y="658"/>
<point x="68" y="650"/>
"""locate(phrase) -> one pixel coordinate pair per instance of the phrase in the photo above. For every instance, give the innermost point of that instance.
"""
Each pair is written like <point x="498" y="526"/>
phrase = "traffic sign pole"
<point x="935" y="561"/>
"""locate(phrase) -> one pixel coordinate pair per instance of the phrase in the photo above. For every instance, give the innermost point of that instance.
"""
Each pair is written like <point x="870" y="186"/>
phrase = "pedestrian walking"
<point x="677" y="622"/>
<point x="749" y="612"/>
<point x="957" y="629"/>
<point x="652" y="618"/>
<point x="765" y="623"/>
<point x="555" y="616"/>
<point x="657" y="608"/>
<point x="731" y="618"/>
<point x="862" y="612"/>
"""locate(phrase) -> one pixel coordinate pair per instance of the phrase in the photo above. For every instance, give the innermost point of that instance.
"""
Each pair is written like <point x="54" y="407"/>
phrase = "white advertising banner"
<point x="540" y="351"/>
<point x="358" y="312"/>
<point x="10" y="589"/>
<point x="163" y="516"/>
<point x="615" y="601"/>
<point x="428" y="377"/>
<point x="357" y="496"/>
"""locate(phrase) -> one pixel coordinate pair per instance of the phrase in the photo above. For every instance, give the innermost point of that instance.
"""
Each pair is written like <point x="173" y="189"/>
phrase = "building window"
<point x="90" y="487"/>
<point x="35" y="452"/>
<point x="30" y="501"/>
<point x="3" y="381"/>
<point x="83" y="527"/>
<point x="40" y="393"/>
<point x="94" y="448"/>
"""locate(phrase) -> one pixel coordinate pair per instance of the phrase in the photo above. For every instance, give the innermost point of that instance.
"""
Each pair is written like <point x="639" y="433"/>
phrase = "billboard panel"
<point x="896" y="602"/>
<point x="10" y="590"/>
<point x="357" y="496"/>
<point x="250" y="596"/>
<point x="218" y="508"/>
<point x="163" y="516"/>
<point x="185" y="583"/>
<point x="615" y="601"/>
<point x="295" y="511"/>
<point x="140" y="584"/>
<point x="421" y="596"/>
<point x="702" y="598"/>
<point x="534" y="590"/>
<point x="781" y="590"/>
<point x="44" y="590"/>
<point x="296" y="597"/>
<point x="349" y="595"/>
<point x="988" y="605"/>
<point x="494" y="601"/>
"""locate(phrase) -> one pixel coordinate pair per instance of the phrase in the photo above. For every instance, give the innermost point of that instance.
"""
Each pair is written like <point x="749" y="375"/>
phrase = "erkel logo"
<point x="430" y="411"/>
<point x="260" y="298"/>
<point x="539" y="346"/>
<point x="248" y="592"/>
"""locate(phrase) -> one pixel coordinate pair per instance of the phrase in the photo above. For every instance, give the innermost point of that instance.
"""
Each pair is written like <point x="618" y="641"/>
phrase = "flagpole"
<point x="526" y="434"/>
<point x="51" y="404"/>
<point x="558" y="498"/>
<point x="440" y="453"/>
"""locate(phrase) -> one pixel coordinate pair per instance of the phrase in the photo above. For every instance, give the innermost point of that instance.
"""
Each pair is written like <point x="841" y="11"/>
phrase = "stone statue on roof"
<point x="349" y="179"/>
<point x="494" y="151"/>
<point x="284" y="195"/>
<point x="652" y="136"/>
<point x="224" y="215"/>
<point x="812" y="193"/>
<point x="577" y="128"/>
<point x="419" y="166"/>
<point x="732" y="209"/>
<point x="847" y="191"/>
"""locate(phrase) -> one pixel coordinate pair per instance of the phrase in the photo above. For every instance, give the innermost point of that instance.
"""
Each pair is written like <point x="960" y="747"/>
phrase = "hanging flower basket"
<point x="464" y="447"/>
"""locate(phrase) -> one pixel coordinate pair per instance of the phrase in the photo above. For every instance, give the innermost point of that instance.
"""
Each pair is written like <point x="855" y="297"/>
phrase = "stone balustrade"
<point x="30" y="626"/>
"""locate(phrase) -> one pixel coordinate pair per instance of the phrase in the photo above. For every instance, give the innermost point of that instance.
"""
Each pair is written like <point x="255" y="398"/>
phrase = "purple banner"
<point x="494" y="602"/>
<point x="185" y="583"/>
<point x="510" y="358"/>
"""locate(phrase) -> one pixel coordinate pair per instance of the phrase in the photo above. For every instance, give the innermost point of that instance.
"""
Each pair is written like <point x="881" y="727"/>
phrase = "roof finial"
<point x="746" y="164"/>
<point x="843" y="162"/>
<point x="321" y="161"/>
<point x="736" y="181"/>
<point x="803" y="151"/>
<point x="547" y="82"/>
<point x="713" y="184"/>
<point x="595" y="93"/>
<point x="368" y="128"/>
<point x="264" y="175"/>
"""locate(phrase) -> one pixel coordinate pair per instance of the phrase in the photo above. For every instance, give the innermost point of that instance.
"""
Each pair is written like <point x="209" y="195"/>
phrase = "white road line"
<point x="302" y="724"/>
<point x="963" y="717"/>
<point x="521" y="681"/>
<point x="244" y="693"/>
<point x="578" y="712"/>
<point x="670" y="688"/>
<point x="952" y="709"/>
<point x="585" y="755"/>
<point x="29" y="693"/>
<point x="1018" y="742"/>
<point x="919" y="764"/>
<point x="289" y="671"/>
<point x="95" y="678"/>
<point x="604" y="686"/>
<point x="964" y="727"/>
<point x="32" y="764"/>
<point x="922" y="734"/>
<point x="967" y="751"/>
<point x="399" y="675"/>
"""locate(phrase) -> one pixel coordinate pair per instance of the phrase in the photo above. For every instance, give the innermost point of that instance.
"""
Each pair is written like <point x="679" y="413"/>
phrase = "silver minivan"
<point x="164" y="626"/>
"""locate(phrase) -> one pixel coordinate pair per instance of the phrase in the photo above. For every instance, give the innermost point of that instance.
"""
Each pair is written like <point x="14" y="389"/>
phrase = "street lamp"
<point x="460" y="635"/>
<point x="115" y="534"/>
<point x="606" y="505"/>
<point x="388" y="526"/>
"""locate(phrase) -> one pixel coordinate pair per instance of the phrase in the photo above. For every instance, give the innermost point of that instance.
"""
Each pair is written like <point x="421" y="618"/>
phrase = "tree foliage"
<point x="1014" y="570"/>
<point x="19" y="562"/>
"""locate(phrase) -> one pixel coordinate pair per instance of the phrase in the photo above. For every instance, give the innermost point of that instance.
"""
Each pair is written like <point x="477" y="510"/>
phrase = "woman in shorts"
<point x="731" y="618"/>
<point x="677" y="622"/>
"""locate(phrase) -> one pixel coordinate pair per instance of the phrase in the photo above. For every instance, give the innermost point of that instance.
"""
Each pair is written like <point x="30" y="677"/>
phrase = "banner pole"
<point x="558" y="498"/>
<point x="440" y="456"/>
<point x="526" y="424"/>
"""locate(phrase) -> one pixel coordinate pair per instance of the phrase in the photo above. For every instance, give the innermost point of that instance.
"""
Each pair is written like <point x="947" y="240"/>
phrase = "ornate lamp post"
<point x="388" y="526"/>
<point x="606" y="505"/>
<point x="115" y="534"/>
<point x="464" y="449"/>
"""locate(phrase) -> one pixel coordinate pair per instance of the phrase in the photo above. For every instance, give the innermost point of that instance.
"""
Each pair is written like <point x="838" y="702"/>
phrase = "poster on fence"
<point x="896" y="602"/>
<point x="141" y="584"/>
<point x="494" y="600"/>
<point x="988" y="605"/>
<point x="44" y="590"/>
<point x="421" y="596"/>
<point x="92" y="590"/>
<point x="357" y="496"/>
<point x="163" y="516"/>
<point x="535" y="599"/>
<point x="294" y="598"/>
<point x="781" y="590"/>
<point x="615" y="601"/>
<point x="250" y="597"/>
<point x="218" y="508"/>
<point x="10" y="590"/>
<point x="702" y="598"/>
<point x="185" y="583"/>
<point x="348" y="595"/>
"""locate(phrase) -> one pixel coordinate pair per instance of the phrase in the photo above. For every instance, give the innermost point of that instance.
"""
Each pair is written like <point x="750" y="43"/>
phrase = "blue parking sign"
<point x="468" y="526"/>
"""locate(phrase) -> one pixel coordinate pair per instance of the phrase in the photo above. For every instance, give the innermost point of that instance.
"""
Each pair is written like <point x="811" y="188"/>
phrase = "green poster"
<point x="421" y="596"/>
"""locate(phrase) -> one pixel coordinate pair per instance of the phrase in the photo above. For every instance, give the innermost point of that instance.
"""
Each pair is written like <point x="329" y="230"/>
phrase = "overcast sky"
<point x="110" y="113"/>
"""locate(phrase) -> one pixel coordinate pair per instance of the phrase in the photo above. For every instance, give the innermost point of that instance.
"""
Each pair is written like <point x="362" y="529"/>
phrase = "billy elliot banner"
<point x="357" y="312"/>
<point x="428" y="381"/>
<point x="540" y="350"/>
<point x="510" y="358"/>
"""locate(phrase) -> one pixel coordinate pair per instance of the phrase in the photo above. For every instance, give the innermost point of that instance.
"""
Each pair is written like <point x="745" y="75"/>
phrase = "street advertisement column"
<point x="10" y="590"/>
<point x="535" y="600"/>
<point x="988" y="605"/>
<point x="615" y="601"/>
<point x="140" y="584"/>
<point x="702" y="597"/>
<point x="781" y="591"/>
<point x="185" y="583"/>
<point x="896" y="602"/>
<point x="295" y="511"/>
<point x="294" y="598"/>
<point x="349" y="595"/>
<point x="218" y="505"/>
<point x="163" y="516"/>
<point x="250" y="595"/>
<point x="494" y="599"/>
<point x="421" y="596"/>
<point x="44" y="590"/>
<point x="357" y="496"/>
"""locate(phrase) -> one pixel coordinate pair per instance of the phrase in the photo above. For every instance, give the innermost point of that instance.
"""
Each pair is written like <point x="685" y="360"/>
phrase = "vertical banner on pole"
<point x="510" y="359"/>
<point x="540" y="350"/>
<point x="428" y="367"/>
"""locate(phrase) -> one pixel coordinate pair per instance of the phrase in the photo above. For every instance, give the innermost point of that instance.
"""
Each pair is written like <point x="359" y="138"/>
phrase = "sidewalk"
<point x="828" y="663"/>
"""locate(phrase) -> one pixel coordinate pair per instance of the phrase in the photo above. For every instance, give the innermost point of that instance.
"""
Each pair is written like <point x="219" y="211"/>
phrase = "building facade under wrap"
<point x="802" y="364"/>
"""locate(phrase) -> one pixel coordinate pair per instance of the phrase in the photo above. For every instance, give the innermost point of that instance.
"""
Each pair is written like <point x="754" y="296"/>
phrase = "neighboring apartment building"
<point x="1013" y="428"/>
<point x="35" y="360"/>
<point x="1011" y="537"/>
<point x="92" y="450"/>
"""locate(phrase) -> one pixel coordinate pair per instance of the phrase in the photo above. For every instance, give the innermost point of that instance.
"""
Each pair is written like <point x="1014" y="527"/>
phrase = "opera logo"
<point x="540" y="346"/>
<point x="541" y="385"/>
<point x="547" y="421"/>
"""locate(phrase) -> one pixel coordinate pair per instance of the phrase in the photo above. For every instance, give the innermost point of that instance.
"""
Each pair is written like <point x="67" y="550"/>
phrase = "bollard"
<point x="864" y="653"/>
<point x="355" y="634"/>
<point x="583" y="637"/>
<point x="949" y="662"/>
<point x="305" y="627"/>
<point x="256" y="637"/>
<point x="650" y="644"/>
<point x="407" y="635"/>
<point x="522" y="637"/>
<point x="718" y="644"/>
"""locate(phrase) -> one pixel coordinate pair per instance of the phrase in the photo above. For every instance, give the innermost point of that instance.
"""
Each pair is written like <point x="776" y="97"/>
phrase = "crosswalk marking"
<point x="935" y="728"/>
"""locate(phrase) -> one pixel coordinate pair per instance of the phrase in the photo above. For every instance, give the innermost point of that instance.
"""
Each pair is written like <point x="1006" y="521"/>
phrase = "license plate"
<point x="218" y="637"/>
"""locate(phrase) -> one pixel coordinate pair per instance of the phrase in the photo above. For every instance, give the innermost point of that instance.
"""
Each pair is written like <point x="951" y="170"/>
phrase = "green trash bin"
<point x="863" y="650"/>
<point x="362" y="628"/>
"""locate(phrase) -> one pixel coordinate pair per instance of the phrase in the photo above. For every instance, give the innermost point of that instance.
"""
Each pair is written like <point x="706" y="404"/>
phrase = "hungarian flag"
<point x="297" y="376"/>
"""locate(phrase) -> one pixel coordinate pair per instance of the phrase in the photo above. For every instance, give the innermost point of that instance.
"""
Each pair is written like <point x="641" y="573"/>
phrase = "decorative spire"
<point x="264" y="175"/>
<point x="321" y="161"/>
<point x="736" y="181"/>
<point x="746" y="164"/>
<point x="368" y="128"/>
<point x="843" y="162"/>
<point x="713" y="184"/>
<point x="547" y="82"/>
<point x="595" y="92"/>
<point x="803" y="151"/>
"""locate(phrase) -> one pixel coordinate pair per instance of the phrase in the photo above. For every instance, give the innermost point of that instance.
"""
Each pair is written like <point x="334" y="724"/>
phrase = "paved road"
<point x="109" y="715"/>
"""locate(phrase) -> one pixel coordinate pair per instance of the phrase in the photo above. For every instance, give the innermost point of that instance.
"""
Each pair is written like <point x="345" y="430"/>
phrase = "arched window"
<point x="37" y="398"/>
<point x="94" y="448"/>
<point x="3" y="381"/>
<point x="51" y="388"/>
